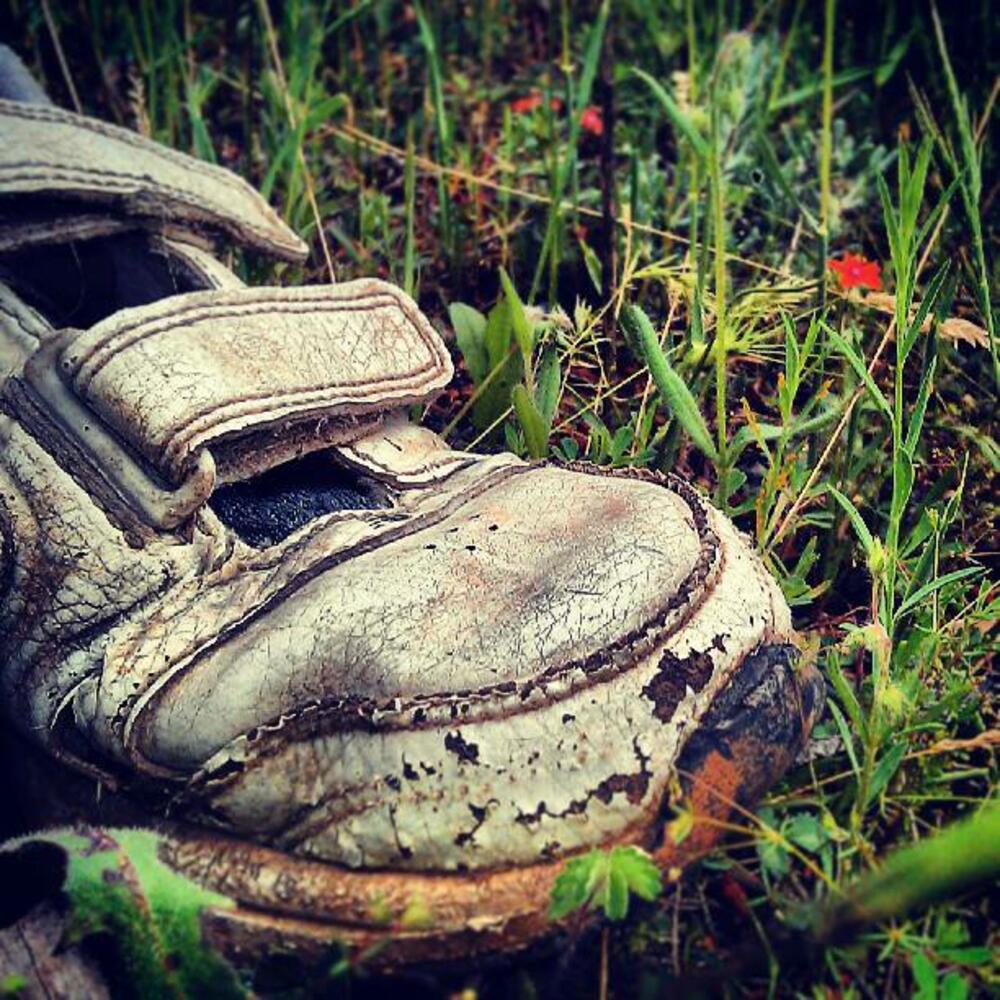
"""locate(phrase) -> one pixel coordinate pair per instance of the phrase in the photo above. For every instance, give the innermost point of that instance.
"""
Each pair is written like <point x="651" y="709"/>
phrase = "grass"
<point x="752" y="143"/>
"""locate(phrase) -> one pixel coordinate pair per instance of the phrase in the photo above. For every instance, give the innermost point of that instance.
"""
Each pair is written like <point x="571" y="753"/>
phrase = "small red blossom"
<point x="525" y="104"/>
<point x="528" y="103"/>
<point x="854" y="271"/>
<point x="591" y="120"/>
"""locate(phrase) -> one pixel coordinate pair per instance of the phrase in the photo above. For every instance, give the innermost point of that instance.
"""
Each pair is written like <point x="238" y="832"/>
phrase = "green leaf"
<point x="929" y="588"/>
<point x="639" y="870"/>
<point x="920" y="409"/>
<point x="547" y="391"/>
<point x="497" y="335"/>
<point x="861" y="370"/>
<point x="615" y="901"/>
<point x="673" y="391"/>
<point x="888" y="65"/>
<point x="523" y="332"/>
<point x="927" y="303"/>
<point x="536" y="435"/>
<point x="792" y="355"/>
<point x="924" y="976"/>
<point x="807" y="831"/>
<point x="846" y="736"/>
<point x="470" y="334"/>
<point x="954" y="986"/>
<point x="857" y="522"/>
<point x="680" y="121"/>
<point x="812" y="89"/>
<point x="569" y="892"/>
<point x="773" y="857"/>
<point x="902" y="472"/>
<point x="593" y="264"/>
<point x="886" y="767"/>
<point x="429" y="43"/>
<point x="605" y="880"/>
<point x="970" y="955"/>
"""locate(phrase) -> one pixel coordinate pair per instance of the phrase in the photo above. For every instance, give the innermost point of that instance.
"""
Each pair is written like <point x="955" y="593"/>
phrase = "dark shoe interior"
<point x="268" y="508"/>
<point x="80" y="283"/>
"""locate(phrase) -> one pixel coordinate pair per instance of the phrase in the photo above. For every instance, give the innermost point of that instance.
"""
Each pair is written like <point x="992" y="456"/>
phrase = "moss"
<point x="116" y="884"/>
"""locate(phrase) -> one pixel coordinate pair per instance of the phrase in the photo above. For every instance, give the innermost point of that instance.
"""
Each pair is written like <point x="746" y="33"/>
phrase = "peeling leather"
<point x="442" y="698"/>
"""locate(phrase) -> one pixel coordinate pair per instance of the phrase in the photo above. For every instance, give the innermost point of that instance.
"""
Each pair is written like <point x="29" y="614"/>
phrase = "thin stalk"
<point x="61" y="56"/>
<point x="693" y="158"/>
<point x="607" y="168"/>
<point x="721" y="318"/>
<point x="409" y="197"/>
<point x="826" y="144"/>
<point x="568" y="163"/>
<point x="442" y="123"/>
<point x="566" y="66"/>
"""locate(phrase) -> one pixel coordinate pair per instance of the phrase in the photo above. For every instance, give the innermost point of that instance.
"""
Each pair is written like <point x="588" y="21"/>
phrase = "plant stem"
<point x="603" y="981"/>
<point x="721" y="319"/>
<point x="409" y="197"/>
<point x="826" y="144"/>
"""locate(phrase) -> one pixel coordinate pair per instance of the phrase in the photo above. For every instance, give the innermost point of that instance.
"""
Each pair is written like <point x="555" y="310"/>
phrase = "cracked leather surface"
<point x="60" y="155"/>
<point x="200" y="369"/>
<point x="496" y="667"/>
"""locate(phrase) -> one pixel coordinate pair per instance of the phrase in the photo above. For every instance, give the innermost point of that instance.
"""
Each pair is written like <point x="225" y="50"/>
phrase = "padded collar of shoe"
<point x="225" y="383"/>
<point x="79" y="162"/>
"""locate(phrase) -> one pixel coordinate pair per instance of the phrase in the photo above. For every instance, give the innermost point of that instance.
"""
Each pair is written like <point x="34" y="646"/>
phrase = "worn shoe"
<point x="334" y="659"/>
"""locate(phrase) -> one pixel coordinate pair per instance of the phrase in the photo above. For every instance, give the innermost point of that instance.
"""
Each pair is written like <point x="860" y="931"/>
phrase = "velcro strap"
<point x="74" y="159"/>
<point x="231" y="369"/>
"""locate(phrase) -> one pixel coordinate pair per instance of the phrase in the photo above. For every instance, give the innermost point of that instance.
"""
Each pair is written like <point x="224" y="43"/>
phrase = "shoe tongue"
<point x="255" y="375"/>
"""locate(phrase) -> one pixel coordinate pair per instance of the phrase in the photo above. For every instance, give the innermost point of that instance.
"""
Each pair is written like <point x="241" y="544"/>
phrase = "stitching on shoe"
<point x="177" y="437"/>
<point x="41" y="113"/>
<point x="248" y="300"/>
<point x="348" y="713"/>
<point x="96" y="176"/>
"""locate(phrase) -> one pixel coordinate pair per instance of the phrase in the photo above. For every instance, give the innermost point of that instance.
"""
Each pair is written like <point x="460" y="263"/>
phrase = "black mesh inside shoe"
<point x="81" y="282"/>
<point x="268" y="508"/>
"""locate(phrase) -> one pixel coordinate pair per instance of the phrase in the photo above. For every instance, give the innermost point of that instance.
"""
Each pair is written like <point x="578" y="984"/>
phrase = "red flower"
<point x="592" y="121"/>
<point x="525" y="104"/>
<point x="856" y="272"/>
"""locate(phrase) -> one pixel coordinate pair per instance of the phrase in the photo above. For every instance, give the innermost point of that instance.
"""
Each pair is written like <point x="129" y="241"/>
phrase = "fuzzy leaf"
<point x="670" y="385"/>
<point x="639" y="870"/>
